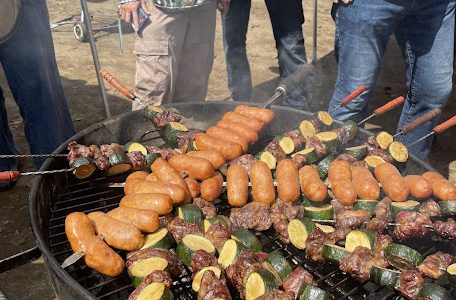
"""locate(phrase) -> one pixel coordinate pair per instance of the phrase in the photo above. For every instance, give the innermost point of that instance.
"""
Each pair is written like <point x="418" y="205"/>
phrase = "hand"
<point x="129" y="11"/>
<point x="223" y="6"/>
<point x="344" y="1"/>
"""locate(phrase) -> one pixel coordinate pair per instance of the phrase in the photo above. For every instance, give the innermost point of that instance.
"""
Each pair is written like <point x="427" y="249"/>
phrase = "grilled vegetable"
<point x="156" y="291"/>
<point x="189" y="244"/>
<point x="142" y="268"/>
<point x="323" y="166"/>
<point x="385" y="277"/>
<point x="259" y="283"/>
<point x="402" y="257"/>
<point x="359" y="238"/>
<point x="119" y="163"/>
<point x="398" y="152"/>
<point x="159" y="239"/>
<point x="311" y="292"/>
<point x="384" y="139"/>
<point x="330" y="139"/>
<point x="409" y="205"/>
<point x="310" y="154"/>
<point x="325" y="228"/>
<point x="286" y="143"/>
<point x="199" y="276"/>
<point x="368" y="205"/>
<point x="333" y="253"/>
<point x="448" y="208"/>
<point x="151" y="110"/>
<point x="190" y="213"/>
<point x="172" y="131"/>
<point x="134" y="146"/>
<point x="279" y="263"/>
<point x="451" y="270"/>
<point x="373" y="161"/>
<point x="192" y="147"/>
<point x="358" y="152"/>
<point x="307" y="202"/>
<point x="230" y="251"/>
<point x="325" y="212"/>
<point x="299" y="230"/>
<point x="431" y="291"/>
<point x="248" y="239"/>
<point x="268" y="158"/>
<point x="208" y="222"/>
<point x="307" y="129"/>
<point x="324" y="119"/>
<point x="150" y="158"/>
<point x="352" y="129"/>
<point x="83" y="167"/>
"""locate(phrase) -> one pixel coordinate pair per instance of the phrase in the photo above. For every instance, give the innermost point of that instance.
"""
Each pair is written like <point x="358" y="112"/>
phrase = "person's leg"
<point x="235" y="25"/>
<point x="197" y="57"/>
<point x="426" y="38"/>
<point x="362" y="32"/>
<point x="7" y="145"/>
<point x="29" y="63"/>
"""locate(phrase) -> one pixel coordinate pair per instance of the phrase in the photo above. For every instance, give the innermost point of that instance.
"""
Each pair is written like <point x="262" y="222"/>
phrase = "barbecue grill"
<point x="54" y="196"/>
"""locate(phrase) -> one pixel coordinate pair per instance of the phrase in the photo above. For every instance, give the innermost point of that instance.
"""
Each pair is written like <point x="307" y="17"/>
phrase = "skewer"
<point x="30" y="155"/>
<point x="383" y="109"/>
<point x="76" y="256"/>
<point x="9" y="176"/>
<point x="122" y="184"/>
<point x="349" y="98"/>
<point x="437" y="130"/>
<point x="416" y="123"/>
<point x="120" y="87"/>
<point x="389" y="224"/>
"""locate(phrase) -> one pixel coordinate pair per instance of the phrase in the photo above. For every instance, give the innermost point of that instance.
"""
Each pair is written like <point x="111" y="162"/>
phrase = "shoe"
<point x="7" y="186"/>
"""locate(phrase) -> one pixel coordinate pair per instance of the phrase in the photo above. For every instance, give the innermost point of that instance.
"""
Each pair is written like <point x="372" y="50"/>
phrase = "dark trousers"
<point x="29" y="63"/>
<point x="287" y="18"/>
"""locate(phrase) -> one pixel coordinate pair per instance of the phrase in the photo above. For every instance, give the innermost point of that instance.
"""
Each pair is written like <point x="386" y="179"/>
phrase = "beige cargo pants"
<point x="174" y="57"/>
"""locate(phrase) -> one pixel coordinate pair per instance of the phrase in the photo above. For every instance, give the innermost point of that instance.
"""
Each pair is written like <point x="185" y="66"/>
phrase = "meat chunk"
<point x="352" y="218"/>
<point x="218" y="235"/>
<point x="319" y="146"/>
<point x="212" y="288"/>
<point x="277" y="294"/>
<point x="207" y="208"/>
<point x="253" y="215"/>
<point x="298" y="140"/>
<point x="342" y="135"/>
<point x="433" y="265"/>
<point x="347" y="157"/>
<point x="99" y="159"/>
<point x="378" y="225"/>
<point x="110" y="149"/>
<point x="178" y="229"/>
<point x="296" y="279"/>
<point x="238" y="272"/>
<point x="274" y="148"/>
<point x="281" y="213"/>
<point x="338" y="207"/>
<point x="163" y="118"/>
<point x="137" y="160"/>
<point x="202" y="259"/>
<point x="381" y="242"/>
<point x="410" y="283"/>
<point x="246" y="161"/>
<point x="339" y="234"/>
<point x="299" y="160"/>
<point x="381" y="153"/>
<point x="411" y="225"/>
<point x="164" y="153"/>
<point x="155" y="276"/>
<point x="430" y="208"/>
<point x="185" y="138"/>
<point x="176" y="266"/>
<point x="315" y="242"/>
<point x="360" y="261"/>
<point x="382" y="216"/>
<point x="446" y="230"/>
<point x="76" y="151"/>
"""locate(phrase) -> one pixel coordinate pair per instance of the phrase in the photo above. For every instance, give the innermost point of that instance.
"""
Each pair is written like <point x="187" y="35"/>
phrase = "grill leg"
<point x="19" y="259"/>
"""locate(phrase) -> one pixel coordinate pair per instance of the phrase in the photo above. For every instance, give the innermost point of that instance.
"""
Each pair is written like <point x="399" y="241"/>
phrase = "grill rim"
<point x="38" y="233"/>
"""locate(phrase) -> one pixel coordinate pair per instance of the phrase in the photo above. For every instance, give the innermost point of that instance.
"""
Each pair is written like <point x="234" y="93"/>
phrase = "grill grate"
<point x="93" y="194"/>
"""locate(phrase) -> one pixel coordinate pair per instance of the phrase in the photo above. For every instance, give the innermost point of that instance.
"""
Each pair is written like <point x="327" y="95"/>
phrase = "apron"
<point x="10" y="11"/>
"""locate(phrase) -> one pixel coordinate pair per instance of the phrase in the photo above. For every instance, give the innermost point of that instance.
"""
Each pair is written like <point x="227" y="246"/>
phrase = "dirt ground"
<point x="80" y="83"/>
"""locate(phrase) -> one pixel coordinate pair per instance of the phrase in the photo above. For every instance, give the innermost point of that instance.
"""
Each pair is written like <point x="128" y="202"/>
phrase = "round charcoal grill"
<point x="53" y="197"/>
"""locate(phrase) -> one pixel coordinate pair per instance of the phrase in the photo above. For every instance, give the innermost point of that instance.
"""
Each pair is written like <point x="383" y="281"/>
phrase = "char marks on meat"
<point x="411" y="225"/>
<point x="338" y="207"/>
<point x="339" y="234"/>
<point x="218" y="235"/>
<point x="155" y="276"/>
<point x="359" y="163"/>
<point x="274" y="148"/>
<point x="246" y="161"/>
<point x="411" y="282"/>
<point x="314" y="142"/>
<point x="352" y="218"/>
<point x="342" y="135"/>
<point x="296" y="279"/>
<point x="298" y="140"/>
<point x="381" y="153"/>
<point x="178" y="229"/>
<point x="202" y="259"/>
<point x="281" y="213"/>
<point x="299" y="160"/>
<point x="433" y="265"/>
<point x="378" y="225"/>
<point x="164" y="153"/>
<point x="165" y="220"/>
<point x="381" y="242"/>
<point x="346" y="157"/>
<point x="277" y="294"/>
<point x="110" y="149"/>
<point x="176" y="266"/>
<point x="238" y="272"/>
<point x="446" y="230"/>
<point x="163" y="118"/>
<point x="212" y="288"/>
<point x="76" y="151"/>
<point x="137" y="160"/>
<point x="207" y="208"/>
<point x="360" y="261"/>
<point x="253" y="215"/>
<point x="185" y="138"/>
<point x="315" y="242"/>
<point x="382" y="216"/>
<point x="100" y="160"/>
<point x="430" y="208"/>
<point x="372" y="143"/>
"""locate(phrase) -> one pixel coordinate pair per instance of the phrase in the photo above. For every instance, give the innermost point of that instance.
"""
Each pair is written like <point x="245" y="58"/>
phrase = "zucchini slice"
<point x="448" y="208"/>
<point x="324" y="119"/>
<point x="159" y="239"/>
<point x="385" y="277"/>
<point x="325" y="228"/>
<point x="333" y="253"/>
<point x="307" y="129"/>
<point x="83" y="167"/>
<point x="359" y="238"/>
<point x="172" y="131"/>
<point x="310" y="154"/>
<point x="402" y="257"/>
<point x="155" y="291"/>
<point x="192" y="147"/>
<point x="358" y="152"/>
<point x="224" y="169"/>
<point x="398" y="152"/>
<point x="373" y="161"/>
<point x="310" y="292"/>
<point x="189" y="244"/>
<point x="119" y="163"/>
<point x="134" y="146"/>
<point x="279" y="263"/>
<point x="330" y="139"/>
<point x="267" y="158"/>
<point x="190" y="213"/>
<point x="208" y="222"/>
<point x="144" y="267"/>
<point x="352" y="129"/>
<point x="229" y="253"/>
<point x="286" y="143"/>
<point x="451" y="270"/>
<point x="259" y="283"/>
<point x="248" y="239"/>
<point x="384" y="139"/>
<point x="151" y="110"/>
<point x="325" y="212"/>
<point x="323" y="166"/>
<point x="150" y="158"/>
<point x="299" y="230"/>
<point x="368" y="205"/>
<point x="307" y="202"/>
<point x="431" y="291"/>
<point x="409" y="205"/>
<point x="199" y="276"/>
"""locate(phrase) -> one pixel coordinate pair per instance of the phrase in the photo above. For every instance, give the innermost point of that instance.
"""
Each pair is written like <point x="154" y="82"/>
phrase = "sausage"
<point x="246" y="132"/>
<point x="162" y="204"/>
<point x="214" y="156"/>
<point x="97" y="255"/>
<point x="193" y="186"/>
<point x="442" y="188"/>
<point x="365" y="184"/>
<point x="141" y="175"/>
<point x="251" y="122"/>
<point x="229" y="150"/>
<point x="287" y="180"/>
<point x="340" y="177"/>
<point x="418" y="186"/>
<point x="227" y="135"/>
<point x="176" y="192"/>
<point x="196" y="167"/>
<point x="393" y="184"/>
<point x="262" y="183"/>
<point x="167" y="174"/>
<point x="211" y="188"/>
<point x="264" y="114"/>
<point x="151" y="177"/>
<point x="130" y="184"/>
<point x="145" y="220"/>
<point x="237" y="185"/>
<point x="118" y="234"/>
<point x="311" y="184"/>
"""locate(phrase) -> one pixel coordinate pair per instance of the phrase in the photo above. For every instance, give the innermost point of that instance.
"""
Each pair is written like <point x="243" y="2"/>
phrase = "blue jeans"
<point x="424" y="31"/>
<point x="29" y="63"/>
<point x="287" y="18"/>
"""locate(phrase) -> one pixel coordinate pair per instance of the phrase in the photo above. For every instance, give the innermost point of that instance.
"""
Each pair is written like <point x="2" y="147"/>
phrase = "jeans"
<point x="287" y="18"/>
<point x="424" y="31"/>
<point x="30" y="67"/>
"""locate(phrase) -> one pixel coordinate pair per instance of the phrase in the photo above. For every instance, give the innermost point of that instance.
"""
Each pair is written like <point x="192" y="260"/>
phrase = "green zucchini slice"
<point x="208" y="222"/>
<point x="224" y="169"/>
<point x="359" y="238"/>
<point x="324" y="119"/>
<point x="159" y="239"/>
<point x="311" y="292"/>
<point x="199" y="276"/>
<point x="330" y="139"/>
<point x="325" y="228"/>
<point x="307" y="202"/>
<point x="286" y="143"/>
<point x="155" y="291"/>
<point x="373" y="161"/>
<point x="83" y="167"/>
<point x="310" y="154"/>
<point x="368" y="205"/>
<point x="358" y="152"/>
<point x="192" y="147"/>
<point x="142" y="268"/>
<point x="333" y="253"/>
<point x="385" y="277"/>
<point x="323" y="166"/>
<point x="134" y="146"/>
<point x="299" y="230"/>
<point x="352" y="129"/>
<point x="259" y="283"/>
<point x="398" y="152"/>
<point x="325" y="212"/>
<point x="307" y="129"/>
<point x="172" y="131"/>
<point x="229" y="253"/>
<point x="267" y="158"/>
<point x="150" y="158"/>
<point x="448" y="208"/>
<point x="384" y="139"/>
<point x="151" y="110"/>
<point x="279" y="263"/>
<point x="451" y="270"/>
<point x="189" y="244"/>
<point x="409" y="205"/>
<point x="248" y="239"/>
<point x="431" y="291"/>
<point x="402" y="257"/>
<point x="119" y="163"/>
<point x="190" y="213"/>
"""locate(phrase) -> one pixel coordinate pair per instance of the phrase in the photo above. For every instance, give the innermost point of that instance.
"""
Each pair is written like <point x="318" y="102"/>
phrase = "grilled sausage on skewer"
<point x="264" y="114"/>
<point x="419" y="186"/>
<point x="251" y="122"/>
<point x="311" y="185"/>
<point x="287" y="181"/>
<point x="144" y="220"/>
<point x="365" y="184"/>
<point x="214" y="156"/>
<point x="162" y="204"/>
<point x="237" y="185"/>
<point x="229" y="150"/>
<point x="196" y="167"/>
<point x="246" y="132"/>
<point x="167" y="174"/>
<point x="228" y="135"/>
<point x="262" y="183"/>
<point x="211" y="188"/>
<point x="393" y="184"/>
<point x="176" y="192"/>
<point x="339" y="175"/>
<point x="441" y="187"/>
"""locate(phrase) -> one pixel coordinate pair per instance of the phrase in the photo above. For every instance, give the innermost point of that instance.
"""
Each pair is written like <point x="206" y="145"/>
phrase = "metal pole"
<point x="314" y="46"/>
<point x="119" y="24"/>
<point x="96" y="61"/>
